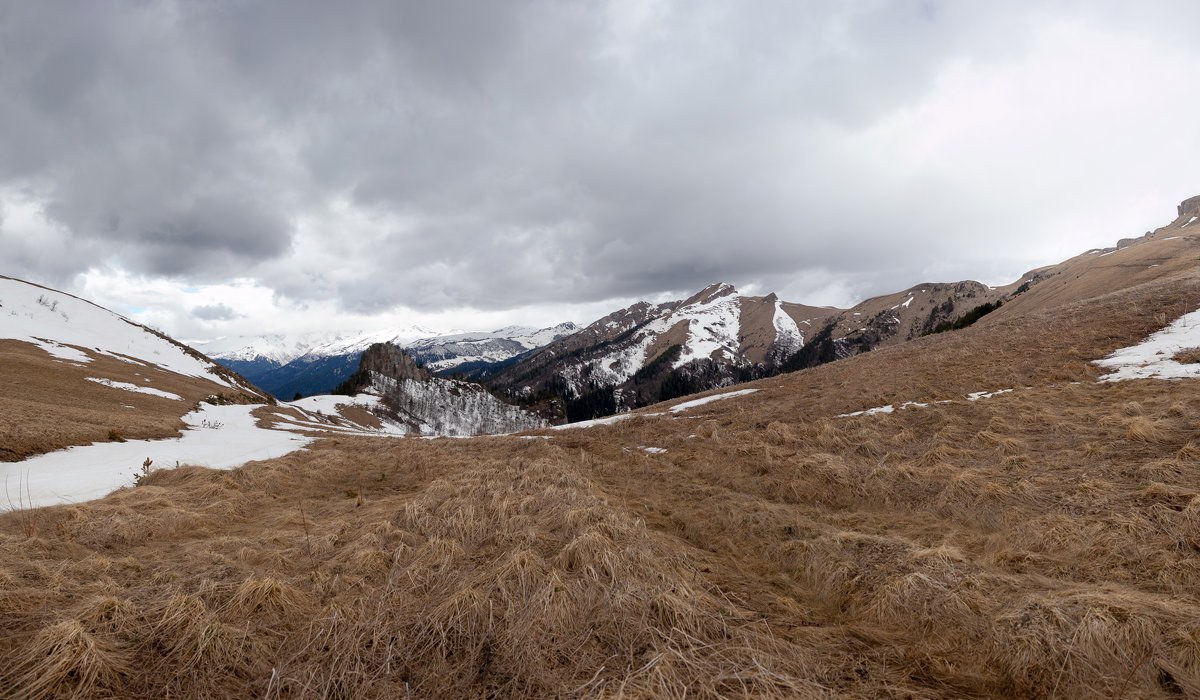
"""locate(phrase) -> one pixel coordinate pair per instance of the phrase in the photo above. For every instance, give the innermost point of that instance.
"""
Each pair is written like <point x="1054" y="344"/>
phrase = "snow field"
<point x="788" y="337"/>
<point x="220" y="437"/>
<point x="1151" y="358"/>
<point x="33" y="314"/>
<point x="126" y="386"/>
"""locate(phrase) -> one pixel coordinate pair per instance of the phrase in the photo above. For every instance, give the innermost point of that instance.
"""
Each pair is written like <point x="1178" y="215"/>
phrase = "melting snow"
<point x="654" y="450"/>
<point x="869" y="412"/>
<point x="908" y="301"/>
<point x="221" y="437"/>
<point x="976" y="395"/>
<point x="1189" y="223"/>
<point x="787" y="334"/>
<point x="882" y="409"/>
<point x="709" y="399"/>
<point x="34" y="315"/>
<point x="134" y="387"/>
<point x="609" y="420"/>
<point x="1151" y="358"/>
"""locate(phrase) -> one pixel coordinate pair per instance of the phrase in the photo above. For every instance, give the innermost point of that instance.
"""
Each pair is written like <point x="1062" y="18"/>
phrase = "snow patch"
<point x="976" y="395"/>
<point x="134" y="387"/>
<point x="883" y="409"/>
<point x="1151" y="358"/>
<point x="788" y="337"/>
<point x="220" y="437"/>
<point x="709" y="399"/>
<point x="62" y="352"/>
<point x="52" y="320"/>
<point x="869" y="412"/>
<point x="608" y="420"/>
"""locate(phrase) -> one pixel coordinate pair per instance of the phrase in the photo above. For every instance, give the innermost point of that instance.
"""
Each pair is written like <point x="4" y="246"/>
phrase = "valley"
<point x="1006" y="508"/>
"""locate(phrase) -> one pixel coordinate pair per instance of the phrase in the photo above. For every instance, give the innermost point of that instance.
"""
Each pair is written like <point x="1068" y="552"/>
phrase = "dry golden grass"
<point x="47" y="404"/>
<point x="1042" y="542"/>
<point x="1190" y="356"/>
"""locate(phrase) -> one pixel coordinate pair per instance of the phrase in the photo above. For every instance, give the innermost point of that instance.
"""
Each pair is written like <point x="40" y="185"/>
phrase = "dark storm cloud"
<point x="494" y="154"/>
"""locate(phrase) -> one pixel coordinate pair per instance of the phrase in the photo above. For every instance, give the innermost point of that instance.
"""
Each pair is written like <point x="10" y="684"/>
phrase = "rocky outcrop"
<point x="391" y="361"/>
<point x="430" y="405"/>
<point x="1190" y="207"/>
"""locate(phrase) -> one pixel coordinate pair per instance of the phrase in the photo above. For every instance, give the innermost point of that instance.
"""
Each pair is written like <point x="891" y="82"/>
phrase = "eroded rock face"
<point x="1190" y="206"/>
<point x="391" y="361"/>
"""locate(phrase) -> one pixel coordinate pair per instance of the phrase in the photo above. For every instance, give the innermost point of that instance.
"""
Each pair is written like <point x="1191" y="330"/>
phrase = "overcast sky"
<point x="225" y="166"/>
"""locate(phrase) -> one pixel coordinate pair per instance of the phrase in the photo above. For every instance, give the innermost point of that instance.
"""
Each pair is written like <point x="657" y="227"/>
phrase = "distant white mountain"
<point x="276" y="348"/>
<point x="455" y="350"/>
<point x="315" y="363"/>
<point x="279" y="349"/>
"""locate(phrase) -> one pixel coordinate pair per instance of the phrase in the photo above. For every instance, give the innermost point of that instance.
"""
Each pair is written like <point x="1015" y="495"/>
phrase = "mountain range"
<point x="648" y="353"/>
<point x="315" y="363"/>
<point x="949" y="491"/>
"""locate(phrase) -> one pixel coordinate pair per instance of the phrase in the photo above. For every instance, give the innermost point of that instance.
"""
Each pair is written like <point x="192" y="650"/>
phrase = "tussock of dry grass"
<point x="1188" y="356"/>
<point x="65" y="659"/>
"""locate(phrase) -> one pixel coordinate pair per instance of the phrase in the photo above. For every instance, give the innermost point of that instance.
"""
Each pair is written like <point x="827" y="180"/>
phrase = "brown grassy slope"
<point x="47" y="404"/>
<point x="1168" y="251"/>
<point x="1041" y="542"/>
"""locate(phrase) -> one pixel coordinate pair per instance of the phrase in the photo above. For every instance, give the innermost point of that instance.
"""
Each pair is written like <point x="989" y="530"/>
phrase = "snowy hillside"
<point x="449" y="407"/>
<point x="287" y="365"/>
<point x="647" y="353"/>
<point x="280" y="349"/>
<point x="449" y="351"/>
<point x="275" y="348"/>
<point x="705" y="327"/>
<point x="76" y="331"/>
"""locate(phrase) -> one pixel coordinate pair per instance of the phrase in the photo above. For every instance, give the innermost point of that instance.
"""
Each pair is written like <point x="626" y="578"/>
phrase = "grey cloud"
<point x="215" y="312"/>
<point x="517" y="152"/>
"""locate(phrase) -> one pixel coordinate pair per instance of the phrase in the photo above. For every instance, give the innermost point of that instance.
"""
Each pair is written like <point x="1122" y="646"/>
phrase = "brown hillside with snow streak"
<point x="1012" y="527"/>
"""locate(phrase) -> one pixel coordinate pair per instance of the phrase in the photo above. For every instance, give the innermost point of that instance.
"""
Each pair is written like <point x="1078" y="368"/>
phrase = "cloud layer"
<point x="365" y="157"/>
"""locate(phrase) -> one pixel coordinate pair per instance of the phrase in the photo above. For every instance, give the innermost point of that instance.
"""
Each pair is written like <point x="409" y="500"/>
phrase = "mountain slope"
<point x="307" y="363"/>
<point x="322" y="366"/>
<point x="1013" y="524"/>
<point x="468" y="351"/>
<point x="716" y="337"/>
<point x="71" y="372"/>
<point x="411" y="396"/>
